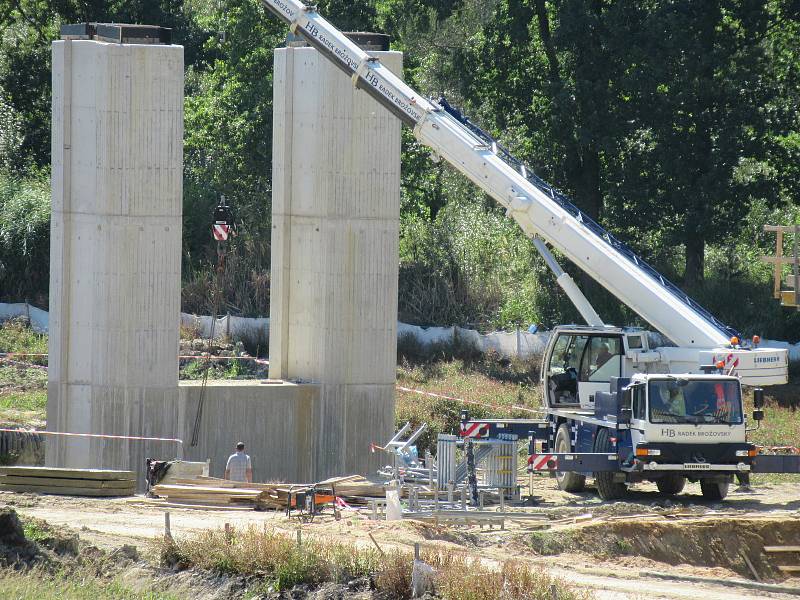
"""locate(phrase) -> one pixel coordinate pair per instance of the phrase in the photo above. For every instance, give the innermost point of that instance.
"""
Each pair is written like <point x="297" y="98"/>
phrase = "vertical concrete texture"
<point x="117" y="166"/>
<point x="273" y="420"/>
<point x="335" y="211"/>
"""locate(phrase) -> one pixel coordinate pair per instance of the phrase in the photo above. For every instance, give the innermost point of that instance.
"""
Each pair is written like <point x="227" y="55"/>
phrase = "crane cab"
<point x="580" y="361"/>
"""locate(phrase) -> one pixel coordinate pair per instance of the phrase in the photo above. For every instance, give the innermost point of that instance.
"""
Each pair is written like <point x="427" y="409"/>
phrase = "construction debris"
<point x="68" y="482"/>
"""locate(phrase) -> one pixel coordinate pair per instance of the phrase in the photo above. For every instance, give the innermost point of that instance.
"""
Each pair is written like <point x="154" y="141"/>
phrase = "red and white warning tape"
<point x="8" y="357"/>
<point x="474" y="402"/>
<point x="94" y="435"/>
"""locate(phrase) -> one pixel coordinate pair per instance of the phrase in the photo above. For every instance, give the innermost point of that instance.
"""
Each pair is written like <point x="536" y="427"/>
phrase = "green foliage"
<point x="467" y="265"/>
<point x="675" y="124"/>
<point x="16" y="336"/>
<point x="218" y="369"/>
<point x="35" y="532"/>
<point x="23" y="390"/>
<point x="10" y="135"/>
<point x="491" y="386"/>
<point x="24" y="236"/>
<point x="227" y="150"/>
<point x="22" y="402"/>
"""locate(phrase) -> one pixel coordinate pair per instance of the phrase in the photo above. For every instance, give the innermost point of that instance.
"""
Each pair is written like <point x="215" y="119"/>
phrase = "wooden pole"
<point x="167" y="529"/>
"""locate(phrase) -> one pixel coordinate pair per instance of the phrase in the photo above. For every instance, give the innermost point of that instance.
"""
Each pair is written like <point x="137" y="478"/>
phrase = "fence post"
<point x="167" y="529"/>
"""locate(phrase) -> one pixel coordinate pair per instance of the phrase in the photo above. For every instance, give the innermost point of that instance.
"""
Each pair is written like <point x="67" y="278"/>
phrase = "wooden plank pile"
<point x="211" y="491"/>
<point x="68" y="482"/>
<point x="784" y="550"/>
<point x="209" y="494"/>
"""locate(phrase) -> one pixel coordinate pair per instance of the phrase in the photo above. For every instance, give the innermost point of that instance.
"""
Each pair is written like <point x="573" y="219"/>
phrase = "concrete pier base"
<point x="335" y="211"/>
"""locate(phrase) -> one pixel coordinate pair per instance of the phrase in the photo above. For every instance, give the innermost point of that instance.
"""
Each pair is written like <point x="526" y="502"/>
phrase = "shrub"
<point x="24" y="238"/>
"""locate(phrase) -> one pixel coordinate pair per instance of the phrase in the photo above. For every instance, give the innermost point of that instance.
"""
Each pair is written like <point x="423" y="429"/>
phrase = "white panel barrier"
<point x="522" y="344"/>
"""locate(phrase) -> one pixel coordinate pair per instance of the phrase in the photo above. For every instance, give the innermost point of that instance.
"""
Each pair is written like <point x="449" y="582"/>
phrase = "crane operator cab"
<point x="580" y="361"/>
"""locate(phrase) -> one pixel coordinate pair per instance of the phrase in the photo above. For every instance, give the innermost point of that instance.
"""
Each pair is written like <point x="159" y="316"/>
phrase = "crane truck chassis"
<point x="606" y="420"/>
<point x="594" y="422"/>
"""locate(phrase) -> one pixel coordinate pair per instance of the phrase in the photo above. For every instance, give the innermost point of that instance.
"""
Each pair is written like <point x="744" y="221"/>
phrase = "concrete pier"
<point x="117" y="172"/>
<point x="335" y="211"/>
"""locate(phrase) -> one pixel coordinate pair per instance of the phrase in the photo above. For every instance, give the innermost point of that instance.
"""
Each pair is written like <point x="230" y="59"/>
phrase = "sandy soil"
<point x="607" y="547"/>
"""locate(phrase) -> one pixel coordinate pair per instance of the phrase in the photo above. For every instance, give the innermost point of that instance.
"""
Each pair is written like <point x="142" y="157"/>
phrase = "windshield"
<point x="698" y="401"/>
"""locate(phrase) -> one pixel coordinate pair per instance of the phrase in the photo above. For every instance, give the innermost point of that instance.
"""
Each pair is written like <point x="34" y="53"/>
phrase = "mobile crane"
<point x="614" y="407"/>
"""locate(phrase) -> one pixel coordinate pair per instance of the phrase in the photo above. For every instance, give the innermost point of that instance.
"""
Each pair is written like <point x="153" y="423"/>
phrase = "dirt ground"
<point x="647" y="547"/>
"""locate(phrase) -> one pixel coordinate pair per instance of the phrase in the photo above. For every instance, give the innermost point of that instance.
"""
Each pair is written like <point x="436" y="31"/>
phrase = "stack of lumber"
<point x="68" y="482"/>
<point x="209" y="494"/>
<point x="183" y="469"/>
<point x="210" y="491"/>
<point x="354" y="488"/>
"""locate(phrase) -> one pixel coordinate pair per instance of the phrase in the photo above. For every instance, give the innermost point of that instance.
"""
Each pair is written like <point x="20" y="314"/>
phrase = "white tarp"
<point x="255" y="331"/>
<point x="38" y="318"/>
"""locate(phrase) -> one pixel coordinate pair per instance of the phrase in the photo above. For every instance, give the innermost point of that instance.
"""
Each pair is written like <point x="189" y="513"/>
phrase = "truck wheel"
<point x="606" y="486"/>
<point x="713" y="490"/>
<point x="672" y="484"/>
<point x="567" y="480"/>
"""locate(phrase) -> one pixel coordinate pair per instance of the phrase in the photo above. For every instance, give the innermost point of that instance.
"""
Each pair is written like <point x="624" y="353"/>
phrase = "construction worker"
<point x="239" y="467"/>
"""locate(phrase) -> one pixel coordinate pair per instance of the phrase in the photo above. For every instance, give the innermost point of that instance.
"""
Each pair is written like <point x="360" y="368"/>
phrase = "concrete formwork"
<point x="117" y="172"/>
<point x="335" y="210"/>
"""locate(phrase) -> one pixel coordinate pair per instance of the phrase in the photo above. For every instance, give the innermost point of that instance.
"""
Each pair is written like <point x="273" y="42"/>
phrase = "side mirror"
<point x="758" y="415"/>
<point x="625" y="415"/>
<point x="758" y="398"/>
<point x="627" y="398"/>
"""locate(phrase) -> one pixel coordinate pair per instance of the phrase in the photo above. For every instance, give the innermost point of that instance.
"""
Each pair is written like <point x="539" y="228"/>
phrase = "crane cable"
<point x="221" y="228"/>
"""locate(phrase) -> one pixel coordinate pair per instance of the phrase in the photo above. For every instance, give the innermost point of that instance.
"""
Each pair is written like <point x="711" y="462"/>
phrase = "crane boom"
<point x="538" y="208"/>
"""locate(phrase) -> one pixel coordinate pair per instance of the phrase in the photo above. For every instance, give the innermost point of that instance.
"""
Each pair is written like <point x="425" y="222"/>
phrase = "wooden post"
<point x="228" y="533"/>
<point x="299" y="537"/>
<point x="416" y="550"/>
<point x="167" y="529"/>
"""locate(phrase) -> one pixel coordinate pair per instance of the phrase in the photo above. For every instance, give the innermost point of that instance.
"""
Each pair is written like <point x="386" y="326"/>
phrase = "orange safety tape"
<point x="475" y="402"/>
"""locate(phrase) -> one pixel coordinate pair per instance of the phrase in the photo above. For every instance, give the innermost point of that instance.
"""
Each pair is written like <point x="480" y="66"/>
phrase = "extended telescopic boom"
<point x="537" y="207"/>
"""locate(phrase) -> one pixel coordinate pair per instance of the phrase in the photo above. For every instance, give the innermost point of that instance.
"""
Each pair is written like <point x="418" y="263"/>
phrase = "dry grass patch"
<point x="282" y="563"/>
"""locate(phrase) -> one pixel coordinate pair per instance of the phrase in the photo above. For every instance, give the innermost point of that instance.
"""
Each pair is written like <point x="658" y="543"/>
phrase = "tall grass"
<point x="17" y="336"/>
<point x="36" y="585"/>
<point x="283" y="563"/>
<point x="492" y="385"/>
<point x="23" y="390"/>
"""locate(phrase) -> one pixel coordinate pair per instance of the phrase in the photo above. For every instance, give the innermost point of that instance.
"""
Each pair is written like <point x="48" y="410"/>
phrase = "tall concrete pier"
<point x="335" y="211"/>
<point x="117" y="168"/>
